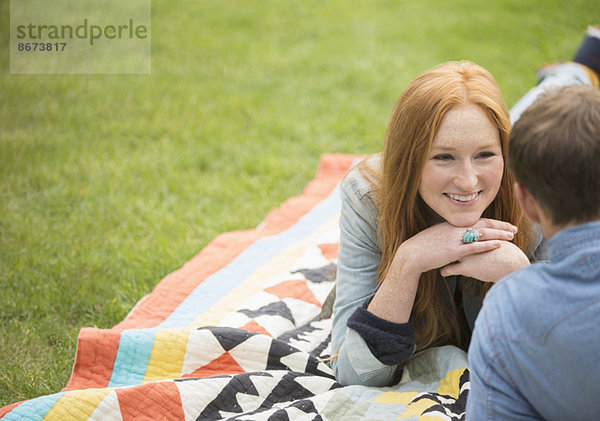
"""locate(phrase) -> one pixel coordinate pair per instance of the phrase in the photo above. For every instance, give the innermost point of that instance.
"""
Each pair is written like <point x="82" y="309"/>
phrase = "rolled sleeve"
<point x="391" y="343"/>
<point x="356" y="364"/>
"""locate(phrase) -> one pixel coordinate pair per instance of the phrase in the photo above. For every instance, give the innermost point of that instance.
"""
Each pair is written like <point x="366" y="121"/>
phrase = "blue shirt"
<point x="535" y="349"/>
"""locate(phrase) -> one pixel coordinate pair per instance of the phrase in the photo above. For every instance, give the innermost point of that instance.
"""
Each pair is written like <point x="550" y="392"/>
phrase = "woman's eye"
<point x="443" y="157"/>
<point x="486" y="155"/>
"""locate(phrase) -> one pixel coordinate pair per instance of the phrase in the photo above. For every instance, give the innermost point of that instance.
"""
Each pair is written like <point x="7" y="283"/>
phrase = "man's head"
<point x="554" y="152"/>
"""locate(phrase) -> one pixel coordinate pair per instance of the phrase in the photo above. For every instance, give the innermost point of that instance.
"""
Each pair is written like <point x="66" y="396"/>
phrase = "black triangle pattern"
<point x="281" y="349"/>
<point x="307" y="333"/>
<point x="325" y="273"/>
<point x="299" y="331"/>
<point x="277" y="308"/>
<point x="226" y="400"/>
<point x="453" y="409"/>
<point x="282" y="395"/>
<point x="285" y="389"/>
<point x="229" y="337"/>
<point x="288" y="389"/>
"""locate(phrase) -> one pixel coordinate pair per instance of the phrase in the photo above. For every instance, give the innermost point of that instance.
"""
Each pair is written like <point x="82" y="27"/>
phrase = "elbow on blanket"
<point x="346" y="374"/>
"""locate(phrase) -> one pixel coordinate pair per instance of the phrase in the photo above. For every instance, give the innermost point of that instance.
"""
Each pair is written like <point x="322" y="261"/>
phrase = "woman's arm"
<point x="491" y="266"/>
<point x="437" y="247"/>
<point x="358" y="263"/>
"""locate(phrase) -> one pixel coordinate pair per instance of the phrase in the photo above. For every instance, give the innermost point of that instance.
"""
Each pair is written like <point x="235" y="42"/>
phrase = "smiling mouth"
<point x="461" y="197"/>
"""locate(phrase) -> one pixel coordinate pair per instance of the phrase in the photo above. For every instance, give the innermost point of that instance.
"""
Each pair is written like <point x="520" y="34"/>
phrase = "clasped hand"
<point x="489" y="259"/>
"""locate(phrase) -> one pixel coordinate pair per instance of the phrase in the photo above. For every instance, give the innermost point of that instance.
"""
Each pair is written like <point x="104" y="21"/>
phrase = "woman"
<point x="409" y="273"/>
<point x="429" y="225"/>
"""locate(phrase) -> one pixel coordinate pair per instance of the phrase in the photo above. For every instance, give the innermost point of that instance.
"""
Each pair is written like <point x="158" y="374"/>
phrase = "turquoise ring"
<point x="470" y="236"/>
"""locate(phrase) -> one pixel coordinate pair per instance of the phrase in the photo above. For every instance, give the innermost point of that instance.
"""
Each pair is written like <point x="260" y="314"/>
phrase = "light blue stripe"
<point x="135" y="347"/>
<point x="259" y="253"/>
<point x="34" y="409"/>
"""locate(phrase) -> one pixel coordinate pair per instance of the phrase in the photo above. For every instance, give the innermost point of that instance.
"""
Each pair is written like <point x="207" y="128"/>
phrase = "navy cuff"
<point x="389" y="342"/>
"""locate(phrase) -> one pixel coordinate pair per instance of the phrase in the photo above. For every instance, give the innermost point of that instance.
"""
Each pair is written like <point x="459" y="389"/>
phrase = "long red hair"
<point x="412" y="126"/>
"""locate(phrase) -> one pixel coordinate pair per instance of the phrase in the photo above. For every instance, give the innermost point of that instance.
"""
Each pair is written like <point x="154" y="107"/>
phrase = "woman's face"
<point x="464" y="168"/>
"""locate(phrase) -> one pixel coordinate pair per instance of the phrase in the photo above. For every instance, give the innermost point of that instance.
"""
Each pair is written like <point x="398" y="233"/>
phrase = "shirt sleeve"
<point x="479" y="361"/>
<point x="389" y="342"/>
<point x="493" y="394"/>
<point x="361" y="349"/>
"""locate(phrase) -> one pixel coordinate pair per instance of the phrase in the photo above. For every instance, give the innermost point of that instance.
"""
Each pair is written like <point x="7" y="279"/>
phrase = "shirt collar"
<point x="569" y="240"/>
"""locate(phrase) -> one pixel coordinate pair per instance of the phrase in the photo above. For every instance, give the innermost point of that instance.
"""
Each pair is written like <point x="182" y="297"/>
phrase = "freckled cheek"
<point x="493" y="176"/>
<point x="434" y="179"/>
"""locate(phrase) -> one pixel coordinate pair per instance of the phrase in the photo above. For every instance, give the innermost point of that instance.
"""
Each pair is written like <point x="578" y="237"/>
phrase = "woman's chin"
<point x="463" y="220"/>
<point x="459" y="218"/>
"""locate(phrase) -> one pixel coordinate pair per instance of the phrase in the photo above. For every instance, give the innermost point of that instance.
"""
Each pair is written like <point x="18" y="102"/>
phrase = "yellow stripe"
<point x="78" y="404"/>
<point x="167" y="354"/>
<point x="450" y="385"/>
<point x="417" y="408"/>
<point x="395" y="398"/>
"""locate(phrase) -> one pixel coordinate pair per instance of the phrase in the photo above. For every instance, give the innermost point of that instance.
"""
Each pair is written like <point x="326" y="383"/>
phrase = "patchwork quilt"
<point x="237" y="334"/>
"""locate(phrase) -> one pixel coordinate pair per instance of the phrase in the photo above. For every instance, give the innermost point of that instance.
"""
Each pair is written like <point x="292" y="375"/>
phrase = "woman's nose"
<point x="466" y="178"/>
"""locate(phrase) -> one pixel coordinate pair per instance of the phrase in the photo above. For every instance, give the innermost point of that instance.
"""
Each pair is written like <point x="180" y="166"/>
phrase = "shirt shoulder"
<point x="508" y="301"/>
<point x="357" y="182"/>
<point x="359" y="192"/>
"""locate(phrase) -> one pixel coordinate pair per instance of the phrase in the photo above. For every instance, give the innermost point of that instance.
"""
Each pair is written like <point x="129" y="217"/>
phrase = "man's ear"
<point x="528" y="204"/>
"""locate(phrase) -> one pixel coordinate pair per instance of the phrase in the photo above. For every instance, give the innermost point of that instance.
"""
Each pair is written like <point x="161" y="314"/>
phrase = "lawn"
<point x="110" y="182"/>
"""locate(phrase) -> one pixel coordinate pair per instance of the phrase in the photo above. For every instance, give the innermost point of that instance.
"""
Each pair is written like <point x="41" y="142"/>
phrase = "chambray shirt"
<point x="535" y="349"/>
<point x="358" y="261"/>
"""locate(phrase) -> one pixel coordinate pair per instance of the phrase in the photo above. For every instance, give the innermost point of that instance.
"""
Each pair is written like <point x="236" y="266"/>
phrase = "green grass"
<point x="110" y="182"/>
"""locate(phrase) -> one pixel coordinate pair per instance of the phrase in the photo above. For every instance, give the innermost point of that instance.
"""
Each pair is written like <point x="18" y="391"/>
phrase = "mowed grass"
<point x="110" y="182"/>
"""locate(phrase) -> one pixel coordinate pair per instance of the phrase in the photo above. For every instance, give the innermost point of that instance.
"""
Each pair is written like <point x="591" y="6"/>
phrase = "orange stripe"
<point x="151" y="401"/>
<point x="5" y="410"/>
<point x="96" y="353"/>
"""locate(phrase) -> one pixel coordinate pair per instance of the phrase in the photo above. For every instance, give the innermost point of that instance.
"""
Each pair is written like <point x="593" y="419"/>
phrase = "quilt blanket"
<point x="236" y="333"/>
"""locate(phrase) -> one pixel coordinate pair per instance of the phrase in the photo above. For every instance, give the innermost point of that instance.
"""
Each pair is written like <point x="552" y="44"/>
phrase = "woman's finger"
<point x="486" y="234"/>
<point x="477" y="247"/>
<point x="458" y="267"/>
<point x="490" y="266"/>
<point x="495" y="224"/>
<point x="452" y="269"/>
